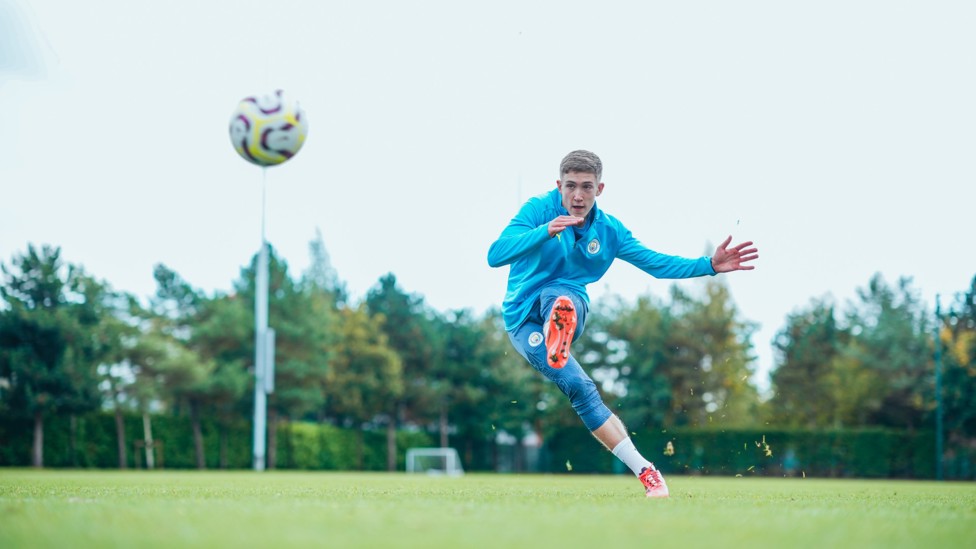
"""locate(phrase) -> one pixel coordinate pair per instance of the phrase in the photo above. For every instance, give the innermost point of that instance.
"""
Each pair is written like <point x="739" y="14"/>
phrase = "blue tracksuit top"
<point x="538" y="260"/>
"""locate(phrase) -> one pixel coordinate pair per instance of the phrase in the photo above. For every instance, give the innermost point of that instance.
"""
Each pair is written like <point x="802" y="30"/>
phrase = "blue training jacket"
<point x="538" y="260"/>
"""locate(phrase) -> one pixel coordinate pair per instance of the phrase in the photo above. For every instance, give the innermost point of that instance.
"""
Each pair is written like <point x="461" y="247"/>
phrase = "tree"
<point x="186" y="378"/>
<point x="958" y="337"/>
<point x="366" y="377"/>
<point x="517" y="398"/>
<point x="46" y="349"/>
<point x="806" y="347"/>
<point x="722" y="342"/>
<point x="472" y="380"/>
<point x="687" y="363"/>
<point x="303" y="315"/>
<point x="873" y="368"/>
<point x="115" y="337"/>
<point x="409" y="329"/>
<point x="891" y="335"/>
<point x="223" y="332"/>
<point x="321" y="275"/>
<point x="631" y="349"/>
<point x="480" y="385"/>
<point x="172" y="354"/>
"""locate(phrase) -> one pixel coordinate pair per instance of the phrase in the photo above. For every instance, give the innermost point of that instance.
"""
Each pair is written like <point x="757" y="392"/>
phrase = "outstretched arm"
<point x="728" y="259"/>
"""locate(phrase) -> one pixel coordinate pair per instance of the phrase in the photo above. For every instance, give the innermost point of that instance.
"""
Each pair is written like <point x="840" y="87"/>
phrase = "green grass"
<point x="221" y="509"/>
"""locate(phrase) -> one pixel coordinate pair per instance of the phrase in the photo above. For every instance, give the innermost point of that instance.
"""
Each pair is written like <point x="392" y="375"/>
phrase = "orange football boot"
<point x="561" y="327"/>
<point x="654" y="485"/>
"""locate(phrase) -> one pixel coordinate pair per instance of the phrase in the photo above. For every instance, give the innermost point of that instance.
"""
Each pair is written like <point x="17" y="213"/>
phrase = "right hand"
<point x="559" y="224"/>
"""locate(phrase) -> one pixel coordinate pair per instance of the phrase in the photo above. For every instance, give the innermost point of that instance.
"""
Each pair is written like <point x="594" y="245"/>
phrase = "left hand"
<point x="731" y="259"/>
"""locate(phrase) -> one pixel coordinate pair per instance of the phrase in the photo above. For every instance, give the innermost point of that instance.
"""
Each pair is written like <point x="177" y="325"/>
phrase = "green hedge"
<point x="299" y="445"/>
<point x="323" y="446"/>
<point x="863" y="453"/>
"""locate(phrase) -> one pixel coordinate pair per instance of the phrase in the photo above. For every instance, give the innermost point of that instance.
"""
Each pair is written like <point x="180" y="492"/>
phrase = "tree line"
<point x="71" y="344"/>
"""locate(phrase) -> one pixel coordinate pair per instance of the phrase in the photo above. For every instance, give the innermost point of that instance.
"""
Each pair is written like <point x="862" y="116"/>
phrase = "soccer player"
<point x="555" y="245"/>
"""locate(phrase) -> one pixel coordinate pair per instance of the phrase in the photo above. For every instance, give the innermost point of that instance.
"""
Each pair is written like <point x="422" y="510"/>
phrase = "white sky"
<point x="838" y="135"/>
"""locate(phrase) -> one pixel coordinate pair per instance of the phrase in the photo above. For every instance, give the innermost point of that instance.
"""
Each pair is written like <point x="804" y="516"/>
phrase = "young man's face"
<point x="579" y="191"/>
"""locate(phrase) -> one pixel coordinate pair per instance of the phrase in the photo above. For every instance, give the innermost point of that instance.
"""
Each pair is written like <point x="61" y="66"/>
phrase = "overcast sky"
<point x="840" y="136"/>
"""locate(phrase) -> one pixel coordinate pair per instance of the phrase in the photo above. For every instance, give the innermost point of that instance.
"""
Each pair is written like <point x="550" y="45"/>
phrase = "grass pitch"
<point x="282" y="509"/>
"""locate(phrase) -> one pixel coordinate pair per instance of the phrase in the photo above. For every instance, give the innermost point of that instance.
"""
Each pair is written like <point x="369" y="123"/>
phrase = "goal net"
<point x="434" y="461"/>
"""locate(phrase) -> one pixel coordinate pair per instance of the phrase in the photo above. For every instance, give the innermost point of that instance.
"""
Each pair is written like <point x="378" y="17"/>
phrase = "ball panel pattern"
<point x="268" y="130"/>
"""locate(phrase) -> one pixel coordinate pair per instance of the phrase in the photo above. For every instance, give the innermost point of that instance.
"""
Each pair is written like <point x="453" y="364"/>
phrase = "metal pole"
<point x="938" y="391"/>
<point x="260" y="328"/>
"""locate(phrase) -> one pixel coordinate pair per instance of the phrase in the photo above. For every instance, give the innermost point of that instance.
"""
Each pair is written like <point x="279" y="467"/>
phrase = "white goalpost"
<point x="434" y="461"/>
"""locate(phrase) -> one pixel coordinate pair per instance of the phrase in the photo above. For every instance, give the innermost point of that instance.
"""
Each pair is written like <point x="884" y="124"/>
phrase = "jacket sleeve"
<point x="525" y="232"/>
<point x="660" y="265"/>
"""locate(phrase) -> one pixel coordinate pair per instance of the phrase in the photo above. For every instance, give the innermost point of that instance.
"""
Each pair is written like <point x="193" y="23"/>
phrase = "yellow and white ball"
<point x="268" y="130"/>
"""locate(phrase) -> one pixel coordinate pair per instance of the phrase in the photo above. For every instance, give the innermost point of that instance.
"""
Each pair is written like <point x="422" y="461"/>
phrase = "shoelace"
<point x="653" y="478"/>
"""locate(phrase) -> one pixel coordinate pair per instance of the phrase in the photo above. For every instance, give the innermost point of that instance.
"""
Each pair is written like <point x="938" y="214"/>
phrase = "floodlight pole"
<point x="260" y="340"/>
<point x="938" y="392"/>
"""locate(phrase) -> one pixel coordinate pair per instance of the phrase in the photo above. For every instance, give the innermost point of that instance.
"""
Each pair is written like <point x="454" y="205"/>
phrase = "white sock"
<point x="627" y="453"/>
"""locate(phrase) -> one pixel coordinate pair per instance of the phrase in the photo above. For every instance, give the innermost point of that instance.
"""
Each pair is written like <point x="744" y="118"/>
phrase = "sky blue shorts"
<point x="571" y="379"/>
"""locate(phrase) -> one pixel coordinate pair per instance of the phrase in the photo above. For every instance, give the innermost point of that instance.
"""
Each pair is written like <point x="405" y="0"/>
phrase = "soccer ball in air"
<point x="269" y="129"/>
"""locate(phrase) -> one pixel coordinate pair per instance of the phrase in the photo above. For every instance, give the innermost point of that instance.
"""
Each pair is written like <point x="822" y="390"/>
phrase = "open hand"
<point x="728" y="259"/>
<point x="559" y="224"/>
